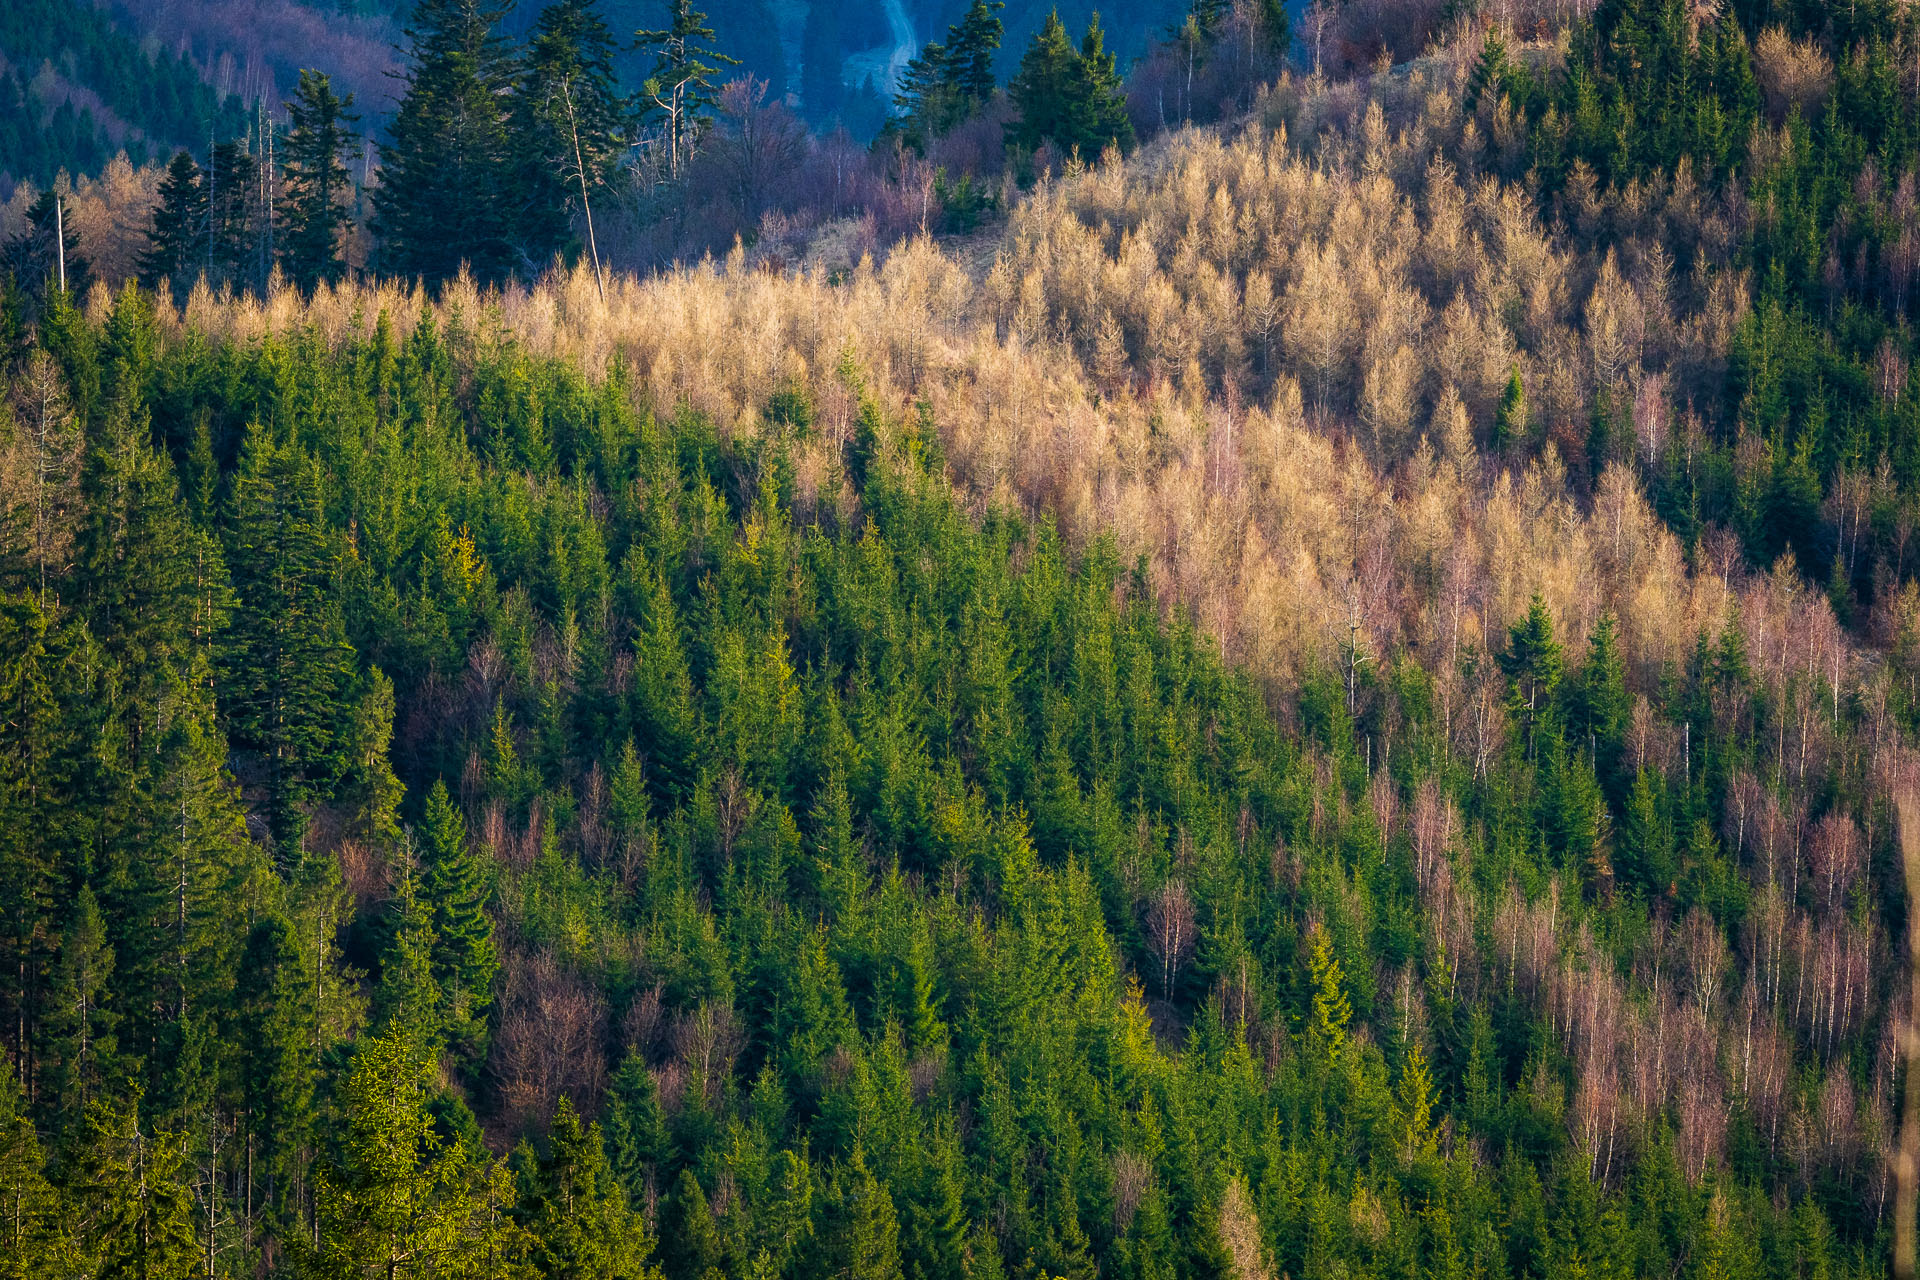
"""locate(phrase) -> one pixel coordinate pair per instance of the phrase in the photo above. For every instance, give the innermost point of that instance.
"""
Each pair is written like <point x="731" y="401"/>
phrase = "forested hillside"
<point x="1327" y="693"/>
<point x="75" y="89"/>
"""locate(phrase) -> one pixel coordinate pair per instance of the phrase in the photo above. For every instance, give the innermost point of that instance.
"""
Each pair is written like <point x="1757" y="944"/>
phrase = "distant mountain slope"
<point x="76" y="86"/>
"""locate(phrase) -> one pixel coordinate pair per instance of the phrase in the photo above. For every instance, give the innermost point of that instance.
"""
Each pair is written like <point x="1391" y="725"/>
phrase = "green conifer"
<point x="446" y="186"/>
<point x="178" y="226"/>
<point x="314" y="210"/>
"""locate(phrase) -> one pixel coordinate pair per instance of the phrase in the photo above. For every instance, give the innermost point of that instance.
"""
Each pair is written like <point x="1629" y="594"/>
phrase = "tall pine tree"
<point x="288" y="658"/>
<point x="445" y="195"/>
<point x="570" y="127"/>
<point x="313" y="208"/>
<point x="681" y="88"/>
<point x="179" y="221"/>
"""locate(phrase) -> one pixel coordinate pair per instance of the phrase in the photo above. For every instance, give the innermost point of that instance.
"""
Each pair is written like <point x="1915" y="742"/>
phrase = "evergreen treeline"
<point x="413" y="748"/>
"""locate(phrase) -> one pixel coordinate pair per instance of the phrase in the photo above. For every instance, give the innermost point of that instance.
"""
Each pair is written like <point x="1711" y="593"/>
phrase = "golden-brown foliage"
<point x="1269" y="373"/>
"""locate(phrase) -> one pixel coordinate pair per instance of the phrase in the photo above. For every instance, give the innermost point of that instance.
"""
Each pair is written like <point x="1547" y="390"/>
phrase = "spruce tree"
<point x="636" y="1129"/>
<point x="446" y="175"/>
<point x="34" y="1236"/>
<point x="133" y="1180"/>
<point x="1510" y="418"/>
<point x="1532" y="665"/>
<point x="81" y="1014"/>
<point x="178" y="225"/>
<point x="971" y="46"/>
<point x="287" y="655"/>
<point x="1043" y="89"/>
<point x="948" y="82"/>
<point x="570" y="126"/>
<point x="926" y="103"/>
<point x="1331" y="1010"/>
<point x="365" y="784"/>
<point x="583" y="1227"/>
<point x="1067" y="96"/>
<point x="313" y="208"/>
<point x="1489" y="70"/>
<point x="274" y="1058"/>
<point x="34" y="256"/>
<point x="408" y="1001"/>
<point x="1604" y="703"/>
<point x="232" y="175"/>
<point x="681" y="87"/>
<point x="395" y="1191"/>
<point x="456" y="888"/>
<point x="135" y="553"/>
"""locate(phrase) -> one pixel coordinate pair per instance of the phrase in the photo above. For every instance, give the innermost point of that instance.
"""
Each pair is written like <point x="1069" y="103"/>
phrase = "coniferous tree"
<point x="1532" y="665"/>
<point x="926" y="102"/>
<point x="133" y="1178"/>
<point x="81" y="1017"/>
<point x="971" y="47"/>
<point x="398" y="1193"/>
<point x="456" y="890"/>
<point x="1043" y="89"/>
<point x="1327" y="1025"/>
<point x="135" y="554"/>
<point x="1510" y="419"/>
<point x="313" y="208"/>
<point x="35" y="256"/>
<point x="232" y="174"/>
<point x="274" y="1022"/>
<point x="948" y="82"/>
<point x="409" y="1003"/>
<point x="288" y="656"/>
<point x="578" y="1216"/>
<point x="1067" y="96"/>
<point x="1489" y="69"/>
<point x="1604" y="703"/>
<point x="570" y="126"/>
<point x="864" y="1241"/>
<point x="680" y="87"/>
<point x="636" y="1131"/>
<point x="34" y="1238"/>
<point x="365" y="784"/>
<point x="178" y="225"/>
<point x="446" y="177"/>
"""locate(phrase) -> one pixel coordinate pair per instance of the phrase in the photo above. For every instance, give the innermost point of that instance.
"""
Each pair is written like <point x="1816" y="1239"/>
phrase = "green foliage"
<point x="156" y="89"/>
<point x="179" y="224"/>
<point x="398" y="1197"/>
<point x="577" y="1214"/>
<point x="313" y="211"/>
<point x="682" y="88"/>
<point x="819" y="852"/>
<point x="290" y="656"/>
<point x="948" y="82"/>
<point x="446" y="186"/>
<point x="570" y="125"/>
<point x="1069" y="97"/>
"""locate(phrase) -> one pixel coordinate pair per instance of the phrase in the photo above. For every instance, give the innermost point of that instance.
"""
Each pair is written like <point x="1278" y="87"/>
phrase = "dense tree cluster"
<point x="1301" y="725"/>
<point x="418" y="748"/>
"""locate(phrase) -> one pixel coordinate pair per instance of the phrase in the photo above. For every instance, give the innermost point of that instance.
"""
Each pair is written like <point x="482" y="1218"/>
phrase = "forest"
<point x="1297" y="659"/>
